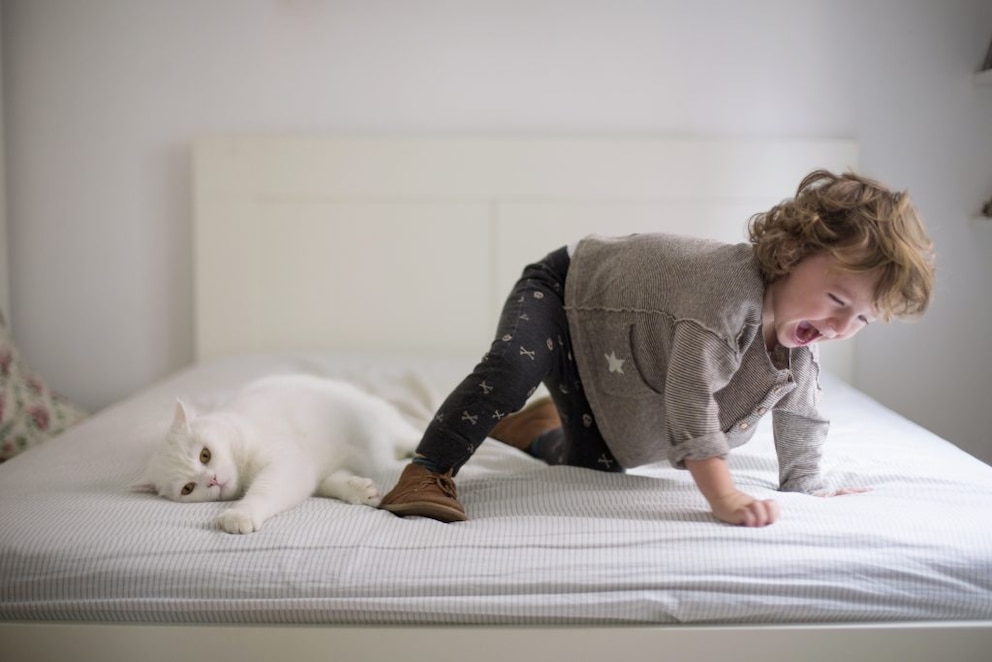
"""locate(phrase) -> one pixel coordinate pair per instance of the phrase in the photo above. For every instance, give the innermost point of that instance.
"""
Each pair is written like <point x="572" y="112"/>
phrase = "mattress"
<point x="543" y="545"/>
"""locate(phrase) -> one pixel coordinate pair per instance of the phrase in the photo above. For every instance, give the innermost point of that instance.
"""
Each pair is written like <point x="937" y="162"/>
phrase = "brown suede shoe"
<point x="522" y="428"/>
<point x="421" y="492"/>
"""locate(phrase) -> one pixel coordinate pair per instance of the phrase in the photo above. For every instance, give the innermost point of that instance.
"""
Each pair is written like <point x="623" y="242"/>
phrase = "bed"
<point x="362" y="258"/>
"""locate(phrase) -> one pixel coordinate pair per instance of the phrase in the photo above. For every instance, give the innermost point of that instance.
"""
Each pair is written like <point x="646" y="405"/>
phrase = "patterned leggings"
<point x="532" y="346"/>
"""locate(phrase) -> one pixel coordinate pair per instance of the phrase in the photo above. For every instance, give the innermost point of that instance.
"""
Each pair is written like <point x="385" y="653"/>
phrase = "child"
<point x="659" y="346"/>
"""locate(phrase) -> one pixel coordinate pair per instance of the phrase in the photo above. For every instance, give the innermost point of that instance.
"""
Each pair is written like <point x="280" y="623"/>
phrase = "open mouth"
<point x="806" y="333"/>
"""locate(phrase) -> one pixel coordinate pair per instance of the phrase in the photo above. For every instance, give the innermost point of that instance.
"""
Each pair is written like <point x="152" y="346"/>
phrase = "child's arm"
<point x="728" y="503"/>
<point x="798" y="440"/>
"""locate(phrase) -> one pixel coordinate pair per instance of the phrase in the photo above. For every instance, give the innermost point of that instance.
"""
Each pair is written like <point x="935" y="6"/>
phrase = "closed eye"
<point x="840" y="302"/>
<point x="188" y="489"/>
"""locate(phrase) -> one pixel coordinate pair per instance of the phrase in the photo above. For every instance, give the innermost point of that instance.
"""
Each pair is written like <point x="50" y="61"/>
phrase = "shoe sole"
<point x="431" y="510"/>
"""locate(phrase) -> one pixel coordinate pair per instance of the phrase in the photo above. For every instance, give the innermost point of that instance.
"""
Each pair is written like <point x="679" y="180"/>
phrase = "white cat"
<point x="280" y="440"/>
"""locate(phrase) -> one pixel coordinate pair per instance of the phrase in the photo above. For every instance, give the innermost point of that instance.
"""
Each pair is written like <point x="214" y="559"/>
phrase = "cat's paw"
<point x="234" y="520"/>
<point x="362" y="492"/>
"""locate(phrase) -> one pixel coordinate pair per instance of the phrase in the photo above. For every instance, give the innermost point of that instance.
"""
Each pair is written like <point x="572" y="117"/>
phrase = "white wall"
<point x="103" y="97"/>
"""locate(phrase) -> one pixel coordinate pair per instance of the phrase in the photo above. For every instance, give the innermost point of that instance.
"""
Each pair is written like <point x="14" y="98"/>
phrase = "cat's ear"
<point x="182" y="415"/>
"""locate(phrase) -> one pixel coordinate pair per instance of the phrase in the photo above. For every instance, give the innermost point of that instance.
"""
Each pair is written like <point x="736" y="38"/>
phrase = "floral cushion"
<point x="29" y="412"/>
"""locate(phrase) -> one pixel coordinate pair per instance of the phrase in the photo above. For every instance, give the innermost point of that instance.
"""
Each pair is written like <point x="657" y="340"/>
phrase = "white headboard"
<point x="410" y="244"/>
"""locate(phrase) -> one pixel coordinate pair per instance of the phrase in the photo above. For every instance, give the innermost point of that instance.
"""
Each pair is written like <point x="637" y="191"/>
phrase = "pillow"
<point x="29" y="411"/>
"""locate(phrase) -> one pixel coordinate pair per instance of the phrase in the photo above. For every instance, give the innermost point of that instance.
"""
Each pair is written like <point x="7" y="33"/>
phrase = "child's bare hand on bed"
<point x="729" y="504"/>
<point x="744" y="509"/>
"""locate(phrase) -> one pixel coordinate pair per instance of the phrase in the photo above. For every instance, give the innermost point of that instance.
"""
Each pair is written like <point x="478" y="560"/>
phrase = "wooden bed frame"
<point x="400" y="244"/>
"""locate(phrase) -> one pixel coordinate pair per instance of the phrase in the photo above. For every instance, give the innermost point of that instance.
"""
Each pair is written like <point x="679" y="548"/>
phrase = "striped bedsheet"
<point x="543" y="545"/>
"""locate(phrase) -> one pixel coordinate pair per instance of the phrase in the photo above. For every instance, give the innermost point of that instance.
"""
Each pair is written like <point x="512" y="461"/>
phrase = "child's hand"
<point x="728" y="503"/>
<point x="741" y="508"/>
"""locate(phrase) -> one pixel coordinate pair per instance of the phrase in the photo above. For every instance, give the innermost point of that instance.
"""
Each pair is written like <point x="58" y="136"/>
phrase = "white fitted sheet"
<point x="543" y="545"/>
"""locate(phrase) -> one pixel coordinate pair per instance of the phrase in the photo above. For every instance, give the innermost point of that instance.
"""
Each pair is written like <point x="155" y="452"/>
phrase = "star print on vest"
<point x="616" y="365"/>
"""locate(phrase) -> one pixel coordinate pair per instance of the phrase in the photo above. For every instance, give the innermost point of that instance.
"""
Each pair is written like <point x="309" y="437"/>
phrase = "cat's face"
<point x="194" y="463"/>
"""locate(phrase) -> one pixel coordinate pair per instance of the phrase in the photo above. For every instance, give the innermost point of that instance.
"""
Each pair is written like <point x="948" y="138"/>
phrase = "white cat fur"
<point x="280" y="440"/>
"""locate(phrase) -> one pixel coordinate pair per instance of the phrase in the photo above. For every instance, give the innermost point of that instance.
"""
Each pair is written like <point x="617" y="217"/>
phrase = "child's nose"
<point x="843" y="326"/>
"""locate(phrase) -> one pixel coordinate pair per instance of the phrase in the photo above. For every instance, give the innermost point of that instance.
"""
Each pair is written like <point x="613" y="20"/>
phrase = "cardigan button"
<point x="744" y="426"/>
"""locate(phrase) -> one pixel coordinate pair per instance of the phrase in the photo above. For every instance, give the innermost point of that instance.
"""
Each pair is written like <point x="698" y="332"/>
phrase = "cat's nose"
<point x="213" y="481"/>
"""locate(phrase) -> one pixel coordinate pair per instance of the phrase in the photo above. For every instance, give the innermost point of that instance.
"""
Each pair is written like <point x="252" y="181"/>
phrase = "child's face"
<point x="818" y="301"/>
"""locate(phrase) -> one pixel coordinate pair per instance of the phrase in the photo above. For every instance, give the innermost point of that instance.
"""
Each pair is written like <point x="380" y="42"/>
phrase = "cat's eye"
<point x="205" y="455"/>
<point x="188" y="488"/>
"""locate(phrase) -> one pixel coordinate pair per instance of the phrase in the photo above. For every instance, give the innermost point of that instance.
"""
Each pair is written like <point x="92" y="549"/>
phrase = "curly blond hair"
<point x="861" y="224"/>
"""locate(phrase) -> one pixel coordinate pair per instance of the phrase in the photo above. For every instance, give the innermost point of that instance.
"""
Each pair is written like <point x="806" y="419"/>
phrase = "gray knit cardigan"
<point x="667" y="336"/>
